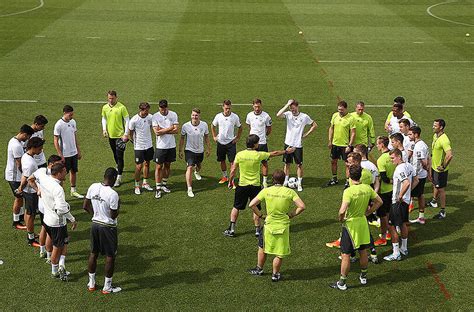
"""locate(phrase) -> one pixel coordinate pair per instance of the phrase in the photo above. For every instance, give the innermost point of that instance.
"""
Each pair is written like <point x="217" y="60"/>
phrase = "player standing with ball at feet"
<point x="295" y="124"/>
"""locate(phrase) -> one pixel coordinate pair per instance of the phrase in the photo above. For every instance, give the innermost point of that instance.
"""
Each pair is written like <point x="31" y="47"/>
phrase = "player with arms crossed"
<point x="365" y="131"/>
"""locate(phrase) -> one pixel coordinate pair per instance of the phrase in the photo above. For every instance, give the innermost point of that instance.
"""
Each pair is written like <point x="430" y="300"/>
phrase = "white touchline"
<point x="40" y="5"/>
<point x="256" y="41"/>
<point x="363" y="42"/>
<point x="205" y="40"/>
<point x="89" y="102"/>
<point x="150" y="39"/>
<point x="92" y="37"/>
<point x="40" y="36"/>
<point x="418" y="42"/>
<point x="19" y="101"/>
<point x="445" y="106"/>
<point x="397" y="62"/>
<point x="172" y="103"/>
<point x="378" y="105"/>
<point x="312" y="41"/>
<point x="428" y="10"/>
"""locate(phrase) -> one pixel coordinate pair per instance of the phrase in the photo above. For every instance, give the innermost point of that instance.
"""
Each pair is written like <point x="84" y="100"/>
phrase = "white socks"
<point x="404" y="243"/>
<point x="62" y="261"/>
<point x="396" y="249"/>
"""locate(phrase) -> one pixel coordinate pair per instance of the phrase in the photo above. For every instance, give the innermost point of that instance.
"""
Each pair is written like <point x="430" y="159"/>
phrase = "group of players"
<point x="399" y="174"/>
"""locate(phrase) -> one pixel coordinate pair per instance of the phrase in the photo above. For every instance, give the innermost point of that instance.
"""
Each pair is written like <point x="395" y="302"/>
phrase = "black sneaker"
<point x="256" y="271"/>
<point x="18" y="225"/>
<point x="229" y="233"/>
<point x="433" y="203"/>
<point x="332" y="182"/>
<point x="258" y="232"/>
<point x="338" y="286"/>
<point x="441" y="215"/>
<point x="276" y="277"/>
<point x="346" y="185"/>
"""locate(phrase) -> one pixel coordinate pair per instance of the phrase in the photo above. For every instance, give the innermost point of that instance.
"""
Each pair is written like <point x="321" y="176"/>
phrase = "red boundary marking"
<point x="438" y="281"/>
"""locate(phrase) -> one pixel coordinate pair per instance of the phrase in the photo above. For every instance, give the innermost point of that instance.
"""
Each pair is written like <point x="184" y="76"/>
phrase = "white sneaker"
<point x="300" y="187"/>
<point x="265" y="184"/>
<point x="147" y="187"/>
<point x="418" y="220"/>
<point x="117" y="182"/>
<point x="165" y="189"/>
<point x="111" y="290"/>
<point x="158" y="194"/>
<point x="363" y="280"/>
<point x="393" y="257"/>
<point x="197" y="175"/>
<point x="77" y="195"/>
<point x="190" y="193"/>
<point x="404" y="252"/>
<point x="137" y="190"/>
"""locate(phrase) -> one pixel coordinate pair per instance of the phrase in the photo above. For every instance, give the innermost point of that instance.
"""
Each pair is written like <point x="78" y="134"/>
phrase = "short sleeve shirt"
<point x="404" y="171"/>
<point x="384" y="164"/>
<point x="249" y="164"/>
<point x="367" y="164"/>
<point x="66" y="131"/>
<point x="365" y="131"/>
<point x="141" y="126"/>
<point x="28" y="167"/>
<point x="278" y="202"/>
<point x="103" y="199"/>
<point x="40" y="158"/>
<point x="358" y="197"/>
<point x="165" y="141"/>
<point x="15" y="151"/>
<point x="420" y="153"/>
<point x="342" y="129"/>
<point x="295" y="128"/>
<point x="115" y="115"/>
<point x="226" y="125"/>
<point x="195" y="136"/>
<point x="258" y="125"/>
<point x="439" y="147"/>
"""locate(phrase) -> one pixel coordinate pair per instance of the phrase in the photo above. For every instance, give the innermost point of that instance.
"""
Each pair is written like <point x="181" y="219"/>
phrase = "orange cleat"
<point x="223" y="180"/>
<point x="380" y="242"/>
<point x="334" y="244"/>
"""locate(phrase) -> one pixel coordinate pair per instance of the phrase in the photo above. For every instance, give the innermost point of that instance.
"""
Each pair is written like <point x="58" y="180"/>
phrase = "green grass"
<point x="172" y="254"/>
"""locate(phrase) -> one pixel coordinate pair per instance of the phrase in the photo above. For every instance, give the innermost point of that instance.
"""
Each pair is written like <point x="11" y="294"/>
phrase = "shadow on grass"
<point x="85" y="234"/>
<point x="306" y="226"/>
<point x="312" y="273"/>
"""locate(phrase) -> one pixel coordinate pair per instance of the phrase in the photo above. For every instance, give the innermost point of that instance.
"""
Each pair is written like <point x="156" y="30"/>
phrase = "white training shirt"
<point x="258" y="125"/>
<point x="28" y="167"/>
<point x="226" y="126"/>
<point x="407" y="143"/>
<point x="141" y="126"/>
<point x="395" y="126"/>
<point x="403" y="172"/>
<point x="66" y="131"/>
<point x="56" y="209"/>
<point x="367" y="164"/>
<point x="40" y="158"/>
<point x="104" y="199"/>
<point x="165" y="141"/>
<point x="420" y="152"/>
<point x="195" y="136"/>
<point x="15" y="151"/>
<point x="39" y="175"/>
<point x="295" y="127"/>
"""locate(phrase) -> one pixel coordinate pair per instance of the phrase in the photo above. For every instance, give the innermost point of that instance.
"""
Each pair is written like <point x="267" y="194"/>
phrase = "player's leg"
<point x="189" y="179"/>
<point x="159" y="160"/>
<point x="395" y="219"/>
<point x="265" y="173"/>
<point x="109" y="243"/>
<point x="299" y="173"/>
<point x="138" y="171"/>
<point x="73" y="170"/>
<point x="148" y="156"/>
<point x="364" y="262"/>
<point x="31" y="205"/>
<point x="346" y="250"/>
<point x="261" y="257"/>
<point x="276" y="276"/>
<point x="113" y="147"/>
<point x="92" y="268"/>
<point x="287" y="160"/>
<point x="441" y="190"/>
<point x="335" y="155"/>
<point x="221" y="153"/>
<point x="240" y="201"/>
<point x="166" y="175"/>
<point x="231" y="152"/>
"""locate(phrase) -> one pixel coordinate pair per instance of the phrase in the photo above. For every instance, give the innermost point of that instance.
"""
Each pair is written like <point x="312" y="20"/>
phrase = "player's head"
<point x="382" y="143"/>
<point x="53" y="159"/>
<point x="404" y="125"/>
<point x="439" y="125"/>
<point x="414" y="133"/>
<point x="110" y="176"/>
<point x="39" y="122"/>
<point x="342" y="108"/>
<point x="361" y="149"/>
<point x="227" y="107"/>
<point x="294" y="107"/>
<point x="35" y="145"/>
<point x="58" y="171"/>
<point x="399" y="100"/>
<point x="163" y="106"/>
<point x="252" y="141"/>
<point x="278" y="177"/>
<point x="355" y="172"/>
<point x="353" y="159"/>
<point x="68" y="112"/>
<point x="112" y="97"/>
<point x="25" y="133"/>
<point x="397" y="140"/>
<point x="396" y="156"/>
<point x="144" y="109"/>
<point x="360" y="106"/>
<point x="397" y="110"/>
<point x="257" y="106"/>
<point x="196" y="114"/>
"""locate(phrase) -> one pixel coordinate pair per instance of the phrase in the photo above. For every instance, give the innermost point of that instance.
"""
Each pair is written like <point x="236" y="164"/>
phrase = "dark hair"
<point x="398" y="106"/>
<point x="68" y="109"/>
<point x="252" y="140"/>
<point x="40" y="120"/>
<point x="257" y="101"/>
<point x="441" y="122"/>
<point x="226" y="102"/>
<point x="143" y="106"/>
<point x="112" y="92"/>
<point x="110" y="174"/>
<point x="163" y="103"/>
<point x="361" y="148"/>
<point x="415" y="130"/>
<point x="397" y="136"/>
<point x="360" y="103"/>
<point x="342" y="103"/>
<point x="385" y="140"/>
<point x="355" y="172"/>
<point x="27" y="129"/>
<point x="53" y="159"/>
<point x="57" y="168"/>
<point x="278" y="176"/>
<point x="34" y="143"/>
<point x="396" y="151"/>
<point x="196" y="110"/>
<point x="355" y="156"/>
<point x="404" y="121"/>
<point x="399" y="100"/>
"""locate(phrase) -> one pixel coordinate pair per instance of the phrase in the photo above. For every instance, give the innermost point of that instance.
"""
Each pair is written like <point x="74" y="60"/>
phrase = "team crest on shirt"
<point x="403" y="175"/>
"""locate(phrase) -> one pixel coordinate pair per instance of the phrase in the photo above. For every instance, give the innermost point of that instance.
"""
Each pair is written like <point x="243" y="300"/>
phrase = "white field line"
<point x="428" y="10"/>
<point x="444" y="106"/>
<point x="40" y="36"/>
<point x="312" y="41"/>
<point x="418" y="42"/>
<point x="92" y="37"/>
<point x="88" y="102"/>
<point x="39" y="6"/>
<point x="256" y="41"/>
<point x="19" y="101"/>
<point x="150" y="39"/>
<point x="364" y="42"/>
<point x="205" y="40"/>
<point x="376" y="105"/>
<point x="171" y="103"/>
<point x="396" y="62"/>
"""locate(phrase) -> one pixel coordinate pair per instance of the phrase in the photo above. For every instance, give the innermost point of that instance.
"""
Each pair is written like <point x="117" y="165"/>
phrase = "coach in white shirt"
<point x="140" y="132"/>
<point x="295" y="124"/>
<point x="260" y="123"/>
<point x="226" y="139"/>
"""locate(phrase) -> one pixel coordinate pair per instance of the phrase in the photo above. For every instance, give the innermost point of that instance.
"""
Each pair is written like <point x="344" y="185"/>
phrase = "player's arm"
<point x="104" y="125"/>
<point x="371" y="130"/>
<point x="384" y="177"/>
<point x="239" y="133"/>
<point x="387" y="126"/>
<point x="23" y="183"/>
<point x="268" y="130"/>
<point x="18" y="164"/>
<point x="377" y="184"/>
<point x="447" y="160"/>
<point x="62" y="208"/>
<point x="87" y="206"/>
<point x="342" y="211"/>
<point x="253" y="205"/>
<point x="131" y="133"/>
<point x="125" y="136"/>
<point x="207" y="142"/>
<point x="403" y="189"/>
<point x="214" y="132"/>
<point x="181" y="146"/>
<point x="300" y="207"/>
<point x="115" y="212"/>
<point x="288" y="150"/>
<point x="57" y="147"/>
<point x="174" y="129"/>
<point x="233" y="170"/>
<point x="376" y="203"/>
<point x="32" y="183"/>
<point x="414" y="182"/>
<point x="79" y="155"/>
<point x="351" y="140"/>
<point x="313" y="127"/>
<point x="330" y="135"/>
<point x="281" y="112"/>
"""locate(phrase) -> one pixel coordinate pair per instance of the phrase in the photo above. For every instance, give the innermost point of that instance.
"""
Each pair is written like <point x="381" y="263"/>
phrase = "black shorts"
<point x="297" y="156"/>
<point x="263" y="148"/>
<point x="143" y="155"/>
<point x="31" y="203"/>
<point x="398" y="214"/>
<point x="338" y="152"/>
<point x="14" y="186"/>
<point x="228" y="150"/>
<point x="386" y="204"/>
<point x="245" y="193"/>
<point x="419" y="188"/>
<point x="71" y="163"/>
<point x="104" y="239"/>
<point x="193" y="159"/>
<point x="440" y="179"/>
<point x="261" y="238"/>
<point x="41" y="216"/>
<point x="165" y="155"/>
<point x="347" y="247"/>
<point x="58" y="235"/>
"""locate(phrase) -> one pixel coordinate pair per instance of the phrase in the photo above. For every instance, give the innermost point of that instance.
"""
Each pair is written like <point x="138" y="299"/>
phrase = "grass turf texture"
<point x="172" y="254"/>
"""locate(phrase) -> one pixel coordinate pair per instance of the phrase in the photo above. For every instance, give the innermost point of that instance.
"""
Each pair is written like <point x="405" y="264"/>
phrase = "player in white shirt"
<point x="398" y="112"/>
<point x="397" y="140"/>
<point x="38" y="126"/>
<point x="367" y="164"/>
<point x="13" y="171"/>
<point x="296" y="121"/>
<point x="196" y="133"/>
<point x="404" y="180"/>
<point x="419" y="161"/>
<point x="165" y="124"/>
<point x="56" y="213"/>
<point x="226" y="139"/>
<point x="141" y="134"/>
<point x="102" y="201"/>
<point x="405" y="125"/>
<point x="260" y="123"/>
<point x="29" y="166"/>
<point x="67" y="146"/>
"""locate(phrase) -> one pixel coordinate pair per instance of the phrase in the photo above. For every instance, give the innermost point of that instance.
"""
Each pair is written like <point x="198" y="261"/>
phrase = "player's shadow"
<point x="160" y="281"/>
<point x="396" y="275"/>
<point x="314" y="182"/>
<point x="307" y="226"/>
<point x="84" y="234"/>
<point x="206" y="184"/>
<point x="135" y="260"/>
<point x="308" y="274"/>
<point x="459" y="245"/>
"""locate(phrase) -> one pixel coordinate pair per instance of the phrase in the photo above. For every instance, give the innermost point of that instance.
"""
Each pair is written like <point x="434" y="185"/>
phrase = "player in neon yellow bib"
<point x="365" y="131"/>
<point x="275" y="239"/>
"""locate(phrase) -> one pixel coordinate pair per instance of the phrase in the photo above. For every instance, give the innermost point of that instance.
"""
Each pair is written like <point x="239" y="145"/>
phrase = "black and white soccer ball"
<point x="292" y="183"/>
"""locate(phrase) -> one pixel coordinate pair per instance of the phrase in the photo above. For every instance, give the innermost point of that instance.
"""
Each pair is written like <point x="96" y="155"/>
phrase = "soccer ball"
<point x="292" y="183"/>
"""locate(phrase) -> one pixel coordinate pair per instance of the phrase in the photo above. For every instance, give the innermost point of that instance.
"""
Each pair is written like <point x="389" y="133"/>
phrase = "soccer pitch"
<point x="172" y="254"/>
